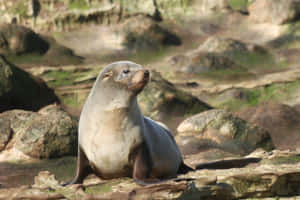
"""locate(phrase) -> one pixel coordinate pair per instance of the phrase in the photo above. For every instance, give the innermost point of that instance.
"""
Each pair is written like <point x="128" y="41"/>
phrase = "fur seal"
<point x="115" y="139"/>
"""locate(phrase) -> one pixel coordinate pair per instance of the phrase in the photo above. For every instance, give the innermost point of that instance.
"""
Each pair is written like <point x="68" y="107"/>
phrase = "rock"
<point x="142" y="32"/>
<point x="16" y="39"/>
<point x="204" y="62"/>
<point x="216" y="53"/>
<point x="161" y="99"/>
<point x="63" y="55"/>
<point x="281" y="121"/>
<point x="60" y="15"/>
<point x="228" y="46"/>
<point x="274" y="12"/>
<point x="219" y="129"/>
<point x="19" y="89"/>
<point x="49" y="133"/>
<point x="71" y="19"/>
<point x="266" y="179"/>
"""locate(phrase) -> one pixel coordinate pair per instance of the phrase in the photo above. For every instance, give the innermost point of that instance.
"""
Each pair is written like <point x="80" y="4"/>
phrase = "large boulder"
<point x="218" y="53"/>
<point x="49" y="133"/>
<point x="281" y="121"/>
<point x="16" y="39"/>
<point x="204" y="62"/>
<point x="274" y="11"/>
<point x="19" y="89"/>
<point x="142" y="32"/>
<point x="161" y="99"/>
<point x="219" y="129"/>
<point x="229" y="46"/>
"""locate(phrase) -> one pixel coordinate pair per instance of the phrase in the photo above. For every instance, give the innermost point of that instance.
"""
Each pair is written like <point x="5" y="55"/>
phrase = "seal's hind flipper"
<point x="83" y="168"/>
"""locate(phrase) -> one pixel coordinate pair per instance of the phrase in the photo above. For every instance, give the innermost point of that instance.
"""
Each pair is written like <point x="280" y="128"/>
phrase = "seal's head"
<point x="120" y="81"/>
<point x="125" y="75"/>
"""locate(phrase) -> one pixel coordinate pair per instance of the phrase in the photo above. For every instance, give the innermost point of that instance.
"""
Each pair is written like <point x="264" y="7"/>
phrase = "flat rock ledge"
<point x="276" y="175"/>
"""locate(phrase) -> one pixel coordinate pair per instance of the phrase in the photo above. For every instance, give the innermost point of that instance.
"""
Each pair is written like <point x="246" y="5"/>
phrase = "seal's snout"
<point x="146" y="73"/>
<point x="139" y="80"/>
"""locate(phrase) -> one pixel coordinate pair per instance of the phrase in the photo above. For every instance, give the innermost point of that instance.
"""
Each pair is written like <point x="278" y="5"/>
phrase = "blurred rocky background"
<point x="225" y="78"/>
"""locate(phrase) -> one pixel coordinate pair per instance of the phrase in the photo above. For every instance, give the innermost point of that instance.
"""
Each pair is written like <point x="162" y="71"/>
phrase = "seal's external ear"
<point x="107" y="75"/>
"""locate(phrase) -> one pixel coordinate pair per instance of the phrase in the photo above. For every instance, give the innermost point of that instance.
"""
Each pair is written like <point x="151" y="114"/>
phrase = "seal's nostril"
<point x="146" y="73"/>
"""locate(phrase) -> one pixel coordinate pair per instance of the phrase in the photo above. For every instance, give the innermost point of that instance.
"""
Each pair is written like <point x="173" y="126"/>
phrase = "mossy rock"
<point x="161" y="99"/>
<point x="16" y="40"/>
<point x="49" y="133"/>
<point x="143" y="32"/>
<point x="20" y="89"/>
<point x="219" y="129"/>
<point x="23" y="46"/>
<point x="275" y="12"/>
<point x="209" y="62"/>
<point x="229" y="47"/>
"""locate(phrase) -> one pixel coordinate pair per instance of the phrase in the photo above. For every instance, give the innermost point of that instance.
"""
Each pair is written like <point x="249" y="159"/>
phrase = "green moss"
<point x="239" y="4"/>
<point x="149" y="56"/>
<point x="73" y="100"/>
<point x="258" y="60"/>
<point x="283" y="160"/>
<point x="20" y="8"/>
<point x="254" y="97"/>
<point x="35" y="59"/>
<point x="31" y="58"/>
<point x="60" y="78"/>
<point x="227" y="75"/>
<point x="102" y="188"/>
<point x="79" y="5"/>
<point x="242" y="185"/>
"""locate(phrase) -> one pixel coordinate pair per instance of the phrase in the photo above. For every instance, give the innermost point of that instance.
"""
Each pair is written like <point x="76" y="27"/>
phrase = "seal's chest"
<point x="112" y="155"/>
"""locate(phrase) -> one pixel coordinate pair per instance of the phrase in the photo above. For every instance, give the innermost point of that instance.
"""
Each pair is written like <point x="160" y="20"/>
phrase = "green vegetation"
<point x="20" y="8"/>
<point x="57" y="79"/>
<point x="30" y="58"/>
<point x="36" y="59"/>
<point x="60" y="78"/>
<point x="241" y="5"/>
<point x="102" y="188"/>
<point x="254" y="97"/>
<point x="259" y="61"/>
<point x="146" y="56"/>
<point x="256" y="62"/>
<point x="227" y="75"/>
<point x="79" y="5"/>
<point x="282" y="160"/>
<point x="74" y="100"/>
<point x="253" y="59"/>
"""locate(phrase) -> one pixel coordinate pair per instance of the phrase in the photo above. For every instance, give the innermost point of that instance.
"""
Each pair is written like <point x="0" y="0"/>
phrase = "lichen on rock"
<point x="219" y="129"/>
<point x="49" y="133"/>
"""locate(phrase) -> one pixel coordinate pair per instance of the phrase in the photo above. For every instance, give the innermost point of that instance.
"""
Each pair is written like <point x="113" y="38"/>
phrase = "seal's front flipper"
<point x="142" y="170"/>
<point x="83" y="168"/>
<point x="183" y="169"/>
<point x="142" y="164"/>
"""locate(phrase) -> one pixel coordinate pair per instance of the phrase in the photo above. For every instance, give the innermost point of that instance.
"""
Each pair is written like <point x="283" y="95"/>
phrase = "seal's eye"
<point x="126" y="71"/>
